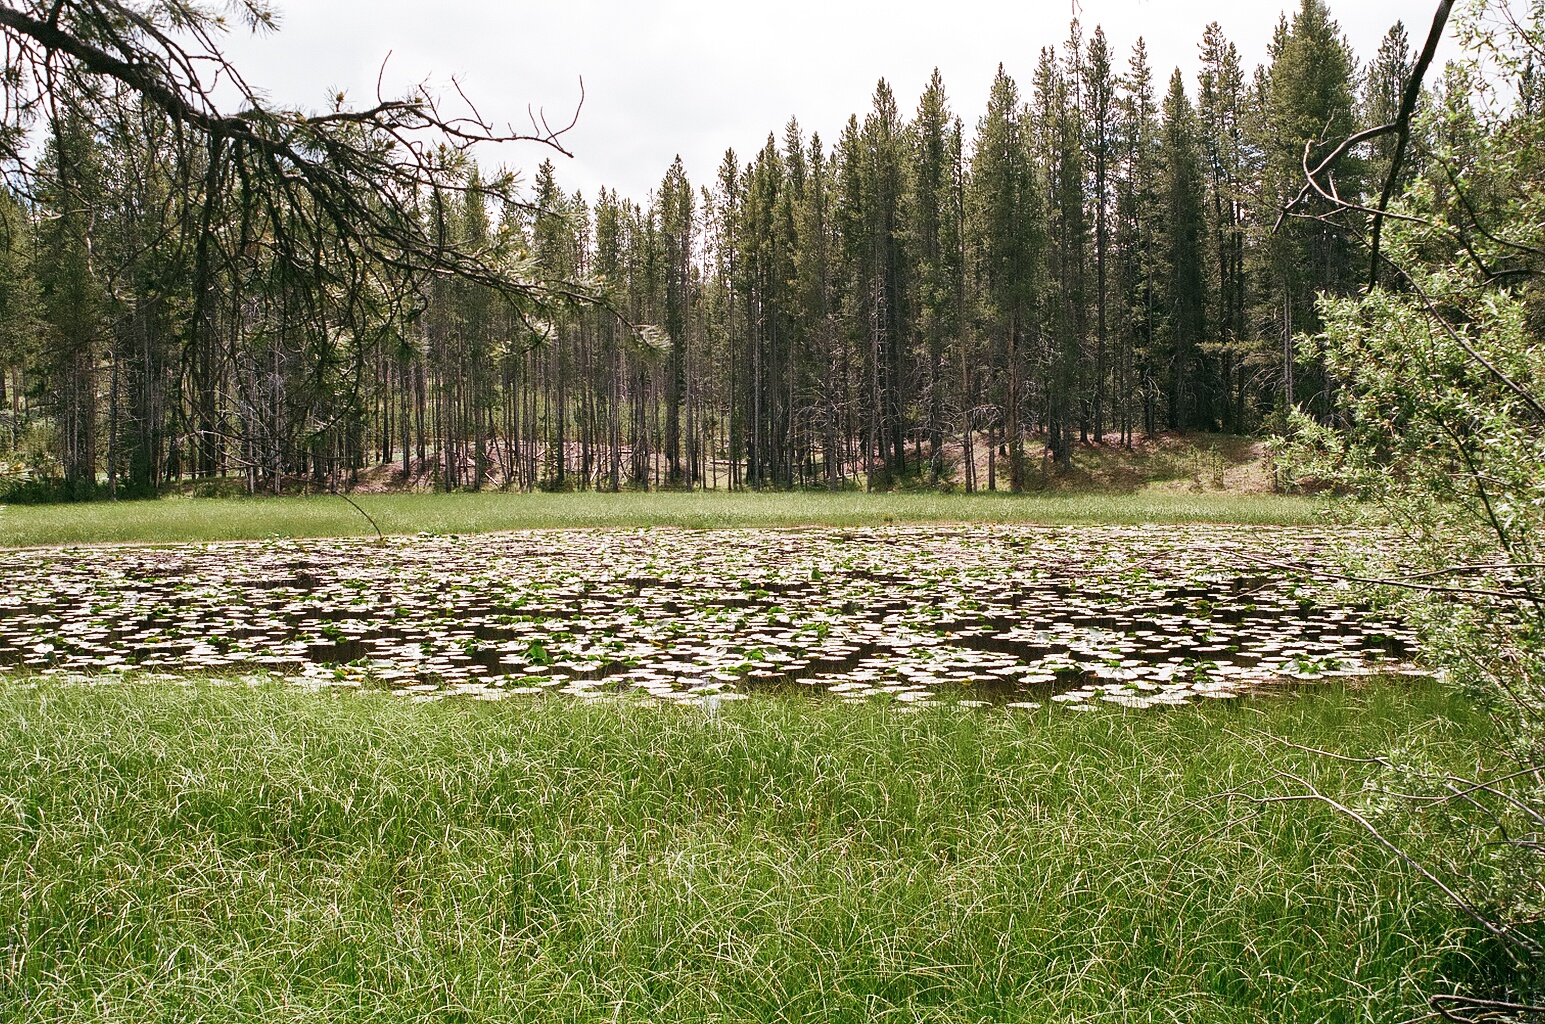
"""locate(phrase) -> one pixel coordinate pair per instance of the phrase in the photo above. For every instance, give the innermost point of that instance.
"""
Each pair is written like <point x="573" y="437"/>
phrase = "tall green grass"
<point x="196" y="519"/>
<point x="224" y="854"/>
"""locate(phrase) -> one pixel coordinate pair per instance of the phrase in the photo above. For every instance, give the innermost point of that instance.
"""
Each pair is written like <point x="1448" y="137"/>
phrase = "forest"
<point x="932" y="298"/>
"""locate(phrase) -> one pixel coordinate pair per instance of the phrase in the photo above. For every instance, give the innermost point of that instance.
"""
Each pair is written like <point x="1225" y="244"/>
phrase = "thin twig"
<point x="380" y="537"/>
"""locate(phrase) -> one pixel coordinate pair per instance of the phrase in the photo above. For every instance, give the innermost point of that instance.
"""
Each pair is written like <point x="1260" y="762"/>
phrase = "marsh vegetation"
<point x="1018" y="614"/>
<point x="238" y="854"/>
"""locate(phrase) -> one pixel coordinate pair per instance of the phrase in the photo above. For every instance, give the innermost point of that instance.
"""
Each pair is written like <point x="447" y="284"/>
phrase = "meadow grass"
<point x="211" y="853"/>
<point x="209" y="519"/>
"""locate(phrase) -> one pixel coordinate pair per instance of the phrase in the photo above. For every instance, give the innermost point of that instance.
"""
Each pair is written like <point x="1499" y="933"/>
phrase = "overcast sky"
<point x="692" y="77"/>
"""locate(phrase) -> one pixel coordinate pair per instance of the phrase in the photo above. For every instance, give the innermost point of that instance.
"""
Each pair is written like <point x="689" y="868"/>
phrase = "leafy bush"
<point x="1441" y="427"/>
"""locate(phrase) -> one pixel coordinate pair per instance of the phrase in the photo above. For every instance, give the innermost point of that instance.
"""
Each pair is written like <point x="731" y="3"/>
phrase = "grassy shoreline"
<point x="212" y="519"/>
<point x="230" y="854"/>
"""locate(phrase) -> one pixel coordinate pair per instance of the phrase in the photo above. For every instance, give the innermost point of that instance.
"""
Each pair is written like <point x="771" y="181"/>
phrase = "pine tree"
<point x="611" y="269"/>
<point x="767" y="261"/>
<point x="1309" y="103"/>
<point x="1101" y="137"/>
<point x="19" y="310"/>
<point x="935" y="239"/>
<point x="1183" y="260"/>
<point x="884" y="189"/>
<point x="476" y="333"/>
<point x="728" y="263"/>
<point x="552" y="244"/>
<point x="1059" y="124"/>
<point x="1382" y="91"/>
<point x="73" y="300"/>
<point x="1221" y="112"/>
<point x="674" y="203"/>
<point x="818" y="300"/>
<point x="1008" y="243"/>
<point x="1137" y="205"/>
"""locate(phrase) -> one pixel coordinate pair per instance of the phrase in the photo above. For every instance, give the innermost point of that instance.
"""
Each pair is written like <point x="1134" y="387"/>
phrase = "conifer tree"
<point x="1008" y="244"/>
<point x="935" y="241"/>
<point x="1059" y="124"/>
<point x="552" y="245"/>
<point x="731" y="274"/>
<point x="1183" y="260"/>
<point x="1220" y="126"/>
<point x="884" y="186"/>
<point x="818" y="301"/>
<point x="1308" y="103"/>
<point x="476" y="323"/>
<point x="18" y="309"/>
<point x="1383" y="90"/>
<point x="73" y="300"/>
<point x="1101" y="133"/>
<point x="1137" y="201"/>
<point x="675" y="206"/>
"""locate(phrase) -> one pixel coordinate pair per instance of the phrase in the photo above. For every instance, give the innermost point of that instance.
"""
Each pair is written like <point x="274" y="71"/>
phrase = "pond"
<point x="1138" y="616"/>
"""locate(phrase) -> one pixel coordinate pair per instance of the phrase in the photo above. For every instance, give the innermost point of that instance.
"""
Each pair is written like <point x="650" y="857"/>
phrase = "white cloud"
<point x="694" y="76"/>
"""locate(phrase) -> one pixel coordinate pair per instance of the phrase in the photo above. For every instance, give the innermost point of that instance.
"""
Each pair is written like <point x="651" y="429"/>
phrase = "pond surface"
<point x="1017" y="615"/>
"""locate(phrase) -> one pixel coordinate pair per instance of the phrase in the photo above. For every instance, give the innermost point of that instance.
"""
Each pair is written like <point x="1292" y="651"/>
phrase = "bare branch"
<point x="1408" y="101"/>
<point x="1519" y="945"/>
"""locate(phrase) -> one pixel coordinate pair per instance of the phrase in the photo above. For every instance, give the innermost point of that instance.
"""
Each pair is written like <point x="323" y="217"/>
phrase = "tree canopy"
<point x="208" y="285"/>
